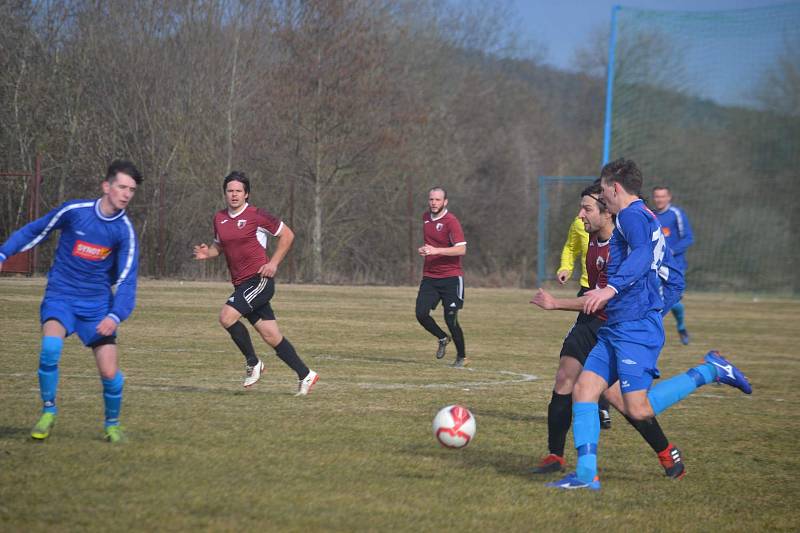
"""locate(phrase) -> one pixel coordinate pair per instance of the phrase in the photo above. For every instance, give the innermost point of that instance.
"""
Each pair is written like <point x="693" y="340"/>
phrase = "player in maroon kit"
<point x="579" y="342"/>
<point x="442" y="277"/>
<point x="241" y="232"/>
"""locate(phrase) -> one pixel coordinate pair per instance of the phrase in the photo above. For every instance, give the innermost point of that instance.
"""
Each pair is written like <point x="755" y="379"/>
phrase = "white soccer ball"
<point x="454" y="426"/>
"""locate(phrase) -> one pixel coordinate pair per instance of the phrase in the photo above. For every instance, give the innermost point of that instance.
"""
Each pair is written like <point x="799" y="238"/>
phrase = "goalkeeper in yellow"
<point x="574" y="250"/>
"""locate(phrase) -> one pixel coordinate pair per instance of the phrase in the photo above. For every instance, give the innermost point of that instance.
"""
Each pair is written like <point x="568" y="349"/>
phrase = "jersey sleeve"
<point x="572" y="249"/>
<point x="456" y="233"/>
<point x="127" y="265"/>
<point x="35" y="232"/>
<point x="686" y="237"/>
<point x="269" y="222"/>
<point x="640" y="245"/>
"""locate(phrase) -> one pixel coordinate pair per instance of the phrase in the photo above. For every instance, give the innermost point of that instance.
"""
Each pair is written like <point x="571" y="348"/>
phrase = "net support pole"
<point x="541" y="241"/>
<point x="612" y="47"/>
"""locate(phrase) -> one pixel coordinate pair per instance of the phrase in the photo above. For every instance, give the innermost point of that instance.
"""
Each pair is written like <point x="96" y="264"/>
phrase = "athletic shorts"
<point x="628" y="352"/>
<point x="449" y="290"/>
<point x="251" y="298"/>
<point x="78" y="316"/>
<point x="581" y="337"/>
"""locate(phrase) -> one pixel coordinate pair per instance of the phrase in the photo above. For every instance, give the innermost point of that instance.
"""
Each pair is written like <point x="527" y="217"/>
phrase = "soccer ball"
<point x="454" y="426"/>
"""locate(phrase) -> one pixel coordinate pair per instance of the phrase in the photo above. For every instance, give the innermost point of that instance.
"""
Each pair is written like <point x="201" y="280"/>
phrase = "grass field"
<point x="358" y="453"/>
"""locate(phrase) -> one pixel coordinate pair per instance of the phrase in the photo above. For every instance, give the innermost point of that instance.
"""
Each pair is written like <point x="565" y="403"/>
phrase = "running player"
<point x="599" y="224"/>
<point x="241" y="232"/>
<point x="678" y="233"/>
<point x="640" y="284"/>
<point x="97" y="250"/>
<point x="442" y="276"/>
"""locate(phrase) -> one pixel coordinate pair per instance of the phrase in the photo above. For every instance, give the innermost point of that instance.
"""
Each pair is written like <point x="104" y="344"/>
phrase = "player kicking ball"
<point x="241" y="232"/>
<point x="580" y="340"/>
<point x="629" y="344"/>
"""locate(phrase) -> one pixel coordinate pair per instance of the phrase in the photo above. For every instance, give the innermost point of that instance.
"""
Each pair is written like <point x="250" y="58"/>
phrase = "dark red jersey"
<point x="443" y="231"/>
<point x="596" y="261"/>
<point x="243" y="239"/>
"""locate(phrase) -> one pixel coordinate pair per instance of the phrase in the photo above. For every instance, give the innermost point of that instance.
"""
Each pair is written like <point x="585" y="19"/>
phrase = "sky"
<point x="565" y="25"/>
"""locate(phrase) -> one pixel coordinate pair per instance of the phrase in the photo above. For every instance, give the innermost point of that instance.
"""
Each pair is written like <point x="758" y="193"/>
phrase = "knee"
<point x="113" y="382"/>
<point x="639" y="413"/>
<point x="226" y="320"/>
<point x="422" y="315"/>
<point x="582" y="392"/>
<point x="51" y="351"/>
<point x="564" y="382"/>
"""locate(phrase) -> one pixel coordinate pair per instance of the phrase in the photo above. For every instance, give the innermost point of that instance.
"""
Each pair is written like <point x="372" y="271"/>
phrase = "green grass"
<point x="358" y="453"/>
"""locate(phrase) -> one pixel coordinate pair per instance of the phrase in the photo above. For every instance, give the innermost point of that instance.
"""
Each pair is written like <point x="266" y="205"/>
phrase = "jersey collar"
<point x="234" y="215"/>
<point x="100" y="214"/>
<point x="667" y="208"/>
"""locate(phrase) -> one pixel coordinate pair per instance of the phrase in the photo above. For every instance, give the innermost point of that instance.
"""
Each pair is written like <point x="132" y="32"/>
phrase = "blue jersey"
<point x="94" y="253"/>
<point x="678" y="232"/>
<point x="636" y="254"/>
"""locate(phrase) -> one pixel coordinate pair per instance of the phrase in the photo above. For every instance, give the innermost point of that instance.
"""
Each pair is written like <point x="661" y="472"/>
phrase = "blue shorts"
<point x="77" y="316"/>
<point x="628" y="351"/>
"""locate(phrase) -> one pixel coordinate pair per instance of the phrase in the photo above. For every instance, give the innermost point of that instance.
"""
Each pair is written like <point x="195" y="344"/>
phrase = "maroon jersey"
<point x="596" y="261"/>
<point x="243" y="239"/>
<point x="443" y="231"/>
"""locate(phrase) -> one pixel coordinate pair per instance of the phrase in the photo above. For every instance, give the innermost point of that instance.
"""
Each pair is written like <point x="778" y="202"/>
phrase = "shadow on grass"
<point x="515" y="417"/>
<point x="504" y="463"/>
<point x="6" y="431"/>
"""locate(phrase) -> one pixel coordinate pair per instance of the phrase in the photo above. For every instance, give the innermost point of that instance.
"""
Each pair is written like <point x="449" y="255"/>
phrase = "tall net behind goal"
<point x="708" y="103"/>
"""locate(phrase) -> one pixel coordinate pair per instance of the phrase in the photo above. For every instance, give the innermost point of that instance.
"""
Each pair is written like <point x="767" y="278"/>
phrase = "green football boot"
<point x="115" y="435"/>
<point x="42" y="428"/>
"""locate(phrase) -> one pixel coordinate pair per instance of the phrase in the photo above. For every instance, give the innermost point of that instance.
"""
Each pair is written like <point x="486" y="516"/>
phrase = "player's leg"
<point x="451" y="291"/>
<point x="105" y="354"/>
<point x="679" y="313"/>
<point x="238" y="304"/>
<point x="559" y="413"/>
<point x="427" y="299"/>
<point x="53" y="334"/>
<point x="668" y="455"/>
<point x="263" y="319"/>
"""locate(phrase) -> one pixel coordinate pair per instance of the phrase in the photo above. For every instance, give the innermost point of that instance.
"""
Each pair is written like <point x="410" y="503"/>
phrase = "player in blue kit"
<point x="97" y="250"/>
<point x="678" y="233"/>
<point x="640" y="279"/>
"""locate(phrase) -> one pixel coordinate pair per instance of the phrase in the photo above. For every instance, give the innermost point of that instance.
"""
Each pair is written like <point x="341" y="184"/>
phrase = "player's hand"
<point x="268" y="270"/>
<point x="563" y="276"/>
<point x="106" y="327"/>
<point x="427" y="250"/>
<point x="544" y="299"/>
<point x="201" y="251"/>
<point x="596" y="299"/>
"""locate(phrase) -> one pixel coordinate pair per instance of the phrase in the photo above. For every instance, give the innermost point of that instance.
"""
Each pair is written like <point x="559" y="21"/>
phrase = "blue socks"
<point x="586" y="430"/>
<point x="675" y="389"/>
<point x="48" y="372"/>
<point x="677" y="312"/>
<point x="112" y="396"/>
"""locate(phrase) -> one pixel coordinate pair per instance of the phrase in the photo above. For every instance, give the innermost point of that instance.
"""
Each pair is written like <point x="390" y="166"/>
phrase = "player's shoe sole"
<point x="727" y="373"/>
<point x="43" y="427"/>
<point x="571" y="482"/>
<point x="550" y="464"/>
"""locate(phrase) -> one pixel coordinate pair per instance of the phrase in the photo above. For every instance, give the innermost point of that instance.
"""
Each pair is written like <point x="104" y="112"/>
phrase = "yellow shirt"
<point x="575" y="248"/>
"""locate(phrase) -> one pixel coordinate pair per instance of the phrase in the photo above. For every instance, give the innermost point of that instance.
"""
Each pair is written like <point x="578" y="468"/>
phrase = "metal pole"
<point x="37" y="180"/>
<point x="162" y="225"/>
<point x="410" y="216"/>
<point x="541" y="242"/>
<point x="612" y="47"/>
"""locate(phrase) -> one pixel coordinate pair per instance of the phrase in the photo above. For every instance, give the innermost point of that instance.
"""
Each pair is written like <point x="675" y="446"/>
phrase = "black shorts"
<point x="251" y="298"/>
<point x="449" y="290"/>
<point x="582" y="337"/>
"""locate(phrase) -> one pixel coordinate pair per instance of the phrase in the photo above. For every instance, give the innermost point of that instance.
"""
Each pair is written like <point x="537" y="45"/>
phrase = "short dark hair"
<point x="661" y="188"/>
<point x="437" y="188"/>
<point x="124" y="166"/>
<point x="626" y="173"/>
<point x="595" y="191"/>
<point x="239" y="176"/>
